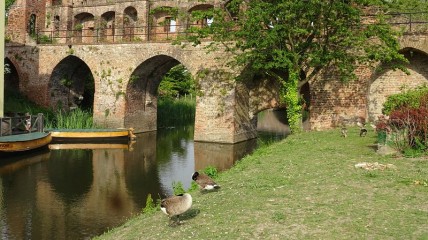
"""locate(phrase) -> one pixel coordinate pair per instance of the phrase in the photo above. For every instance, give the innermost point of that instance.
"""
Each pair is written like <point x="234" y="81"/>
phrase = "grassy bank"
<point x="176" y="112"/>
<point x="305" y="187"/>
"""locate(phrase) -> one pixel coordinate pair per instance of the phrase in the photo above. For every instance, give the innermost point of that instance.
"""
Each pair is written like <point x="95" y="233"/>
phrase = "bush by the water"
<point x="176" y="112"/>
<point x="76" y="119"/>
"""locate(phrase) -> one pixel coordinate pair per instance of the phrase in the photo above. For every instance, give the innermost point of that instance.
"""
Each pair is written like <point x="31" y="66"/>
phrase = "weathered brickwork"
<point x="126" y="75"/>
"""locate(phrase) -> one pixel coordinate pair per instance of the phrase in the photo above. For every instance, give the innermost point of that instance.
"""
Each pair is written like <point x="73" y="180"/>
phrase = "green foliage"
<point x="176" y="83"/>
<point x="43" y="39"/>
<point x="9" y="3"/>
<point x="164" y="9"/>
<point x="405" y="5"/>
<point x="211" y="171"/>
<point x="15" y="102"/>
<point x="406" y="130"/>
<point x="293" y="41"/>
<point x="151" y="207"/>
<point x="78" y="27"/>
<point x="178" y="188"/>
<point x="410" y="98"/>
<point x="176" y="112"/>
<point x="76" y="119"/>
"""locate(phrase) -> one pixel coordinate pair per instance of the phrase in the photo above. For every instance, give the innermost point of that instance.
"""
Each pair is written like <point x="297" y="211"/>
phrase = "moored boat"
<point x="92" y="134"/>
<point x="24" y="142"/>
<point x="62" y="146"/>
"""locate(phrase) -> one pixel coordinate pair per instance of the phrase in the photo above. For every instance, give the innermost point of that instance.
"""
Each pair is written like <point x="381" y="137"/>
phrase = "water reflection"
<point x="80" y="193"/>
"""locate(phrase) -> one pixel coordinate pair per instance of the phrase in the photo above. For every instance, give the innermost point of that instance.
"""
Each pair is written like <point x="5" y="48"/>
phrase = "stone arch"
<point x="130" y="19"/>
<point x="71" y="85"/>
<point x="83" y="27"/>
<point x="205" y="20"/>
<point x="107" y="26"/>
<point x="389" y="82"/>
<point x="11" y="76"/>
<point x="165" y="22"/>
<point x="141" y="92"/>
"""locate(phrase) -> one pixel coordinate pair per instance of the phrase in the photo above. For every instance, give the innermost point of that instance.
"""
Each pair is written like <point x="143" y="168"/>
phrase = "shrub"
<point x="413" y="98"/>
<point x="407" y="127"/>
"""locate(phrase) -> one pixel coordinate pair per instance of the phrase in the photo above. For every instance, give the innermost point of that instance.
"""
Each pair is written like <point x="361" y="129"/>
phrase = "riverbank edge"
<point x="306" y="186"/>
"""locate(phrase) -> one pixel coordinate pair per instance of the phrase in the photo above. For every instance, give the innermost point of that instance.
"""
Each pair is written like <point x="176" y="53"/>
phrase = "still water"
<point x="80" y="193"/>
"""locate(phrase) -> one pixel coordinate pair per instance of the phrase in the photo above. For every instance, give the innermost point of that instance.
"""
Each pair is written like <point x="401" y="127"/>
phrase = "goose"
<point x="204" y="182"/>
<point x="176" y="205"/>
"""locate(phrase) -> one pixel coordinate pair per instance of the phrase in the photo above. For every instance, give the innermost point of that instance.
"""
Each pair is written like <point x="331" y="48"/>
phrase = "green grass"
<point x="15" y="102"/>
<point x="176" y="112"/>
<point x="304" y="187"/>
<point x="76" y="119"/>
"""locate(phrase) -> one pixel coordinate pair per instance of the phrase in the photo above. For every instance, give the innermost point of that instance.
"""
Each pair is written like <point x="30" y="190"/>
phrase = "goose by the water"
<point x="175" y="205"/>
<point x="204" y="182"/>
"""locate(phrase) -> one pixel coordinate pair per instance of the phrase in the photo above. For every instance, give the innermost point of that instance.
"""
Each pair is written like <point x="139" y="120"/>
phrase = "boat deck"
<point x="22" y="137"/>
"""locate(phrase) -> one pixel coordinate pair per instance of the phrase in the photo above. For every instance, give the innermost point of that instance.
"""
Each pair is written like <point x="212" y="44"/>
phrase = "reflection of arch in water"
<point x="141" y="173"/>
<point x="70" y="173"/>
<point x="221" y="156"/>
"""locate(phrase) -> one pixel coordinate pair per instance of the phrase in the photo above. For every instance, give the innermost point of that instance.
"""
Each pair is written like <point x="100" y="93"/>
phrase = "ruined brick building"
<point x="123" y="49"/>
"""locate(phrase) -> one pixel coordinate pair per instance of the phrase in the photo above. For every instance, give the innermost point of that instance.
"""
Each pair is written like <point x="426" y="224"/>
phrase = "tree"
<point x="177" y="82"/>
<point x="9" y="3"/>
<point x="292" y="41"/>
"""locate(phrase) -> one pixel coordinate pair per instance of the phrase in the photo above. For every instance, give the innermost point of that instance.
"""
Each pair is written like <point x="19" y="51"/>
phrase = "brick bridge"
<point x="110" y="45"/>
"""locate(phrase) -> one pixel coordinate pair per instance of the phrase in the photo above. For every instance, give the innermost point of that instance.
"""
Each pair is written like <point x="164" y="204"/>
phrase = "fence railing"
<point x="114" y="35"/>
<point x="406" y="22"/>
<point x="22" y="123"/>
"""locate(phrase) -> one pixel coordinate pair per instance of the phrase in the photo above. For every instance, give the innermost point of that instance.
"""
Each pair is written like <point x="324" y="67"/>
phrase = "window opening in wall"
<point x="170" y="24"/>
<point x="32" y="25"/>
<point x="209" y="21"/>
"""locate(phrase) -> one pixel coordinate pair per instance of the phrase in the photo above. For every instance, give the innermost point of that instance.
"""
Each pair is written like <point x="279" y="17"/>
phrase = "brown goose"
<point x="176" y="205"/>
<point x="204" y="182"/>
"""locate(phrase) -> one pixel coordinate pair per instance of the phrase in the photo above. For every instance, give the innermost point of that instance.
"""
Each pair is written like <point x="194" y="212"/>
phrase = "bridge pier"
<point x="222" y="109"/>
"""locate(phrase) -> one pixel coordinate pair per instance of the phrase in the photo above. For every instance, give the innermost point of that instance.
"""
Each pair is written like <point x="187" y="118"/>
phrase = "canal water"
<point x="80" y="193"/>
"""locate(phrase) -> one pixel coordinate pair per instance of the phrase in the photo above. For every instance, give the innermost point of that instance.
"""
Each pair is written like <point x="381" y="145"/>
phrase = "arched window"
<point x="32" y="25"/>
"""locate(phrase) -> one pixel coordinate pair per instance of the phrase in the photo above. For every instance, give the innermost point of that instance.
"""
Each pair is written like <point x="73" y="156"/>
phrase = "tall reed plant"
<point x="176" y="112"/>
<point x="76" y="119"/>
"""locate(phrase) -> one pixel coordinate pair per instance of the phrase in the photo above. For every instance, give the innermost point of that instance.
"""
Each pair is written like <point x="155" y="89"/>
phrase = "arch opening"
<point x="72" y="85"/>
<point x="83" y="28"/>
<point x="11" y="77"/>
<point x="165" y="24"/>
<point x="389" y="82"/>
<point x="204" y="19"/>
<point x="130" y="18"/>
<point x="159" y="79"/>
<point x="107" y="26"/>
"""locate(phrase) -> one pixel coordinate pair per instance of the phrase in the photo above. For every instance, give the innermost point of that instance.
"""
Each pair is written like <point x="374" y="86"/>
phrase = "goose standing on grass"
<point x="176" y="205"/>
<point x="204" y="182"/>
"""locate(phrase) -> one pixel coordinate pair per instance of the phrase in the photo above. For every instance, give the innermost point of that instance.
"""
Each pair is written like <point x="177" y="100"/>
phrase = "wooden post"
<point x="40" y="122"/>
<point x="2" y="24"/>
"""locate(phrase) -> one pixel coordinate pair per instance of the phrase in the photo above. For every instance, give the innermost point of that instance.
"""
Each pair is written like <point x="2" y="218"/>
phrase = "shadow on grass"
<point x="209" y="191"/>
<point x="184" y="217"/>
